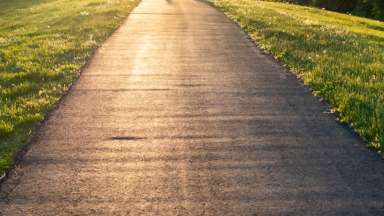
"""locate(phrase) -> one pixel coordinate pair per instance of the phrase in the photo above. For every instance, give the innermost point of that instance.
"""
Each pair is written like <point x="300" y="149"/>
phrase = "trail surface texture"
<point x="179" y="113"/>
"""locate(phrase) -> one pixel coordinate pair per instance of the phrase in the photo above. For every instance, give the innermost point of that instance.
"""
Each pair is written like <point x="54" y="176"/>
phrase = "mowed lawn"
<point x="43" y="45"/>
<point x="340" y="56"/>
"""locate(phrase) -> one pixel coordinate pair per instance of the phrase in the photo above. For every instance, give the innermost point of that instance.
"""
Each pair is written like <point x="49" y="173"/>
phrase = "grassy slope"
<point x="340" y="56"/>
<point x="43" y="45"/>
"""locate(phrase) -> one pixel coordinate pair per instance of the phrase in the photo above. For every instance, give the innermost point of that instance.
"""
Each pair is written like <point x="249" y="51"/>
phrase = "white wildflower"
<point x="84" y="13"/>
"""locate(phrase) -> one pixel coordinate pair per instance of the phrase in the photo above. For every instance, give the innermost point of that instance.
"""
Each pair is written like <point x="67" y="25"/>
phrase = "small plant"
<point x="5" y="128"/>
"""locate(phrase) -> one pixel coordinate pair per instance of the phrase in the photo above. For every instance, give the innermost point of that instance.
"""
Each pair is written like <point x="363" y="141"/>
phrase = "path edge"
<point x="334" y="115"/>
<point x="19" y="155"/>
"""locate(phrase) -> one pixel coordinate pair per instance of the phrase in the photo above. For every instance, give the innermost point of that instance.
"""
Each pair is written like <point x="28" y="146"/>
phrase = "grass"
<point x="340" y="56"/>
<point x="43" y="46"/>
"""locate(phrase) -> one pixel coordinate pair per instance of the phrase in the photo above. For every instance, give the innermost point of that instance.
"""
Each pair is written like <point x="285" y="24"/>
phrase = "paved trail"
<point x="179" y="113"/>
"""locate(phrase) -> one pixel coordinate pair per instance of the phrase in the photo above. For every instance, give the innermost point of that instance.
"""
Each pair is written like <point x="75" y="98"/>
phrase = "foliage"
<point x="43" y="45"/>
<point x="367" y="8"/>
<point x="340" y="56"/>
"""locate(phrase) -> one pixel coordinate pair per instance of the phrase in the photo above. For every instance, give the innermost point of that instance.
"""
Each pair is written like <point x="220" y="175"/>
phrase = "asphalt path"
<point x="179" y="113"/>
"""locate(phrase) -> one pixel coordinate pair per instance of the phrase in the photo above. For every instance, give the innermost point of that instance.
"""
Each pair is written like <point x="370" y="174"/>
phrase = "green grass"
<point x="43" y="46"/>
<point x="340" y="56"/>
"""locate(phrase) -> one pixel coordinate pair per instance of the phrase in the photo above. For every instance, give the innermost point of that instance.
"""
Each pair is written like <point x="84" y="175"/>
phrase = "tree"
<point x="367" y="8"/>
<point x="378" y="9"/>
